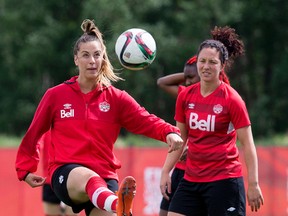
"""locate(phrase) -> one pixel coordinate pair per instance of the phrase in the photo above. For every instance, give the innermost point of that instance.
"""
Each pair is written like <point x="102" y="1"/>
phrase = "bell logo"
<point x="67" y="114"/>
<point x="67" y="111"/>
<point x="202" y="124"/>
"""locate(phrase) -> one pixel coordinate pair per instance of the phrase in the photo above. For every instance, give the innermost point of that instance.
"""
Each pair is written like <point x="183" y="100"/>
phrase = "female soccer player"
<point x="211" y="116"/>
<point x="85" y="115"/>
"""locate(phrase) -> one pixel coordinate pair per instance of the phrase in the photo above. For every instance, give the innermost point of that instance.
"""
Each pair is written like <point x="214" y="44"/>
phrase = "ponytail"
<point x="223" y="77"/>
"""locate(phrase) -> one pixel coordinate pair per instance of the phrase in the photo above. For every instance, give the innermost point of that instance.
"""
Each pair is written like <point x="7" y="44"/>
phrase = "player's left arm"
<point x="254" y="194"/>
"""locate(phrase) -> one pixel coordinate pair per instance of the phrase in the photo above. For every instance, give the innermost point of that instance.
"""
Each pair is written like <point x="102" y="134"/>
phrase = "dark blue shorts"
<point x="219" y="198"/>
<point x="176" y="177"/>
<point x="59" y="185"/>
<point x="48" y="195"/>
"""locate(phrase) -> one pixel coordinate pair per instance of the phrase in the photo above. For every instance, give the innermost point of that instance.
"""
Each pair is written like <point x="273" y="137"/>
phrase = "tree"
<point x="36" y="51"/>
<point x="34" y="54"/>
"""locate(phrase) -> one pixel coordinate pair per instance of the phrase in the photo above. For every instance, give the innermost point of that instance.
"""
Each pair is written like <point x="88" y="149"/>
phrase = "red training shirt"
<point x="84" y="128"/>
<point x="211" y="122"/>
<point x="44" y="143"/>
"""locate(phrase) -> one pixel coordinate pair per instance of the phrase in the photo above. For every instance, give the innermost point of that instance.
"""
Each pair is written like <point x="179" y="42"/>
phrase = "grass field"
<point x="9" y="141"/>
<point x="137" y="140"/>
<point x="130" y="140"/>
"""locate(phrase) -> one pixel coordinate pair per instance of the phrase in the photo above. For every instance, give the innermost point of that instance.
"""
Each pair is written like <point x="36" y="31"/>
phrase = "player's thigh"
<point x="67" y="209"/>
<point x="61" y="186"/>
<point x="77" y="181"/>
<point x="174" y="214"/>
<point x="226" y="197"/>
<point x="163" y="212"/>
<point x="51" y="208"/>
<point x="48" y="195"/>
<point x="99" y="212"/>
<point x="187" y="200"/>
<point x="176" y="177"/>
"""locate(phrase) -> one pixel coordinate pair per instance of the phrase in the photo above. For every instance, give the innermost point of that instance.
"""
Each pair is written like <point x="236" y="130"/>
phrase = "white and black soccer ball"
<point x="135" y="49"/>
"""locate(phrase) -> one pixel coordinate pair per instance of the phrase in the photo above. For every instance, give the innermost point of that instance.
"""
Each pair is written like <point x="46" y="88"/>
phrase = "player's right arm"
<point x="34" y="180"/>
<point x="27" y="157"/>
<point x="171" y="159"/>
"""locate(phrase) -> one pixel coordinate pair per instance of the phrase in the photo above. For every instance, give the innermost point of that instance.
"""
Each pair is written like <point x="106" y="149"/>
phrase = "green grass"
<point x="138" y="140"/>
<point x="130" y="140"/>
<point x="276" y="140"/>
<point x="9" y="141"/>
<point x="141" y="141"/>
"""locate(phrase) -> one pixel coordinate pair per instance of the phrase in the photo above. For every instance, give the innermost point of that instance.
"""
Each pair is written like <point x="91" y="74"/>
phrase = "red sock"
<point x="100" y="195"/>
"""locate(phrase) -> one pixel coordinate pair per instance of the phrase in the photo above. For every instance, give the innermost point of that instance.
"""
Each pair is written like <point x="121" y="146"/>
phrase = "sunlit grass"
<point x="138" y="140"/>
<point x="276" y="140"/>
<point x="9" y="141"/>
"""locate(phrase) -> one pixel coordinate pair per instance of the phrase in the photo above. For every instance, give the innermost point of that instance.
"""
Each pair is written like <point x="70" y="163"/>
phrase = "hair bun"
<point x="86" y="25"/>
<point x="230" y="39"/>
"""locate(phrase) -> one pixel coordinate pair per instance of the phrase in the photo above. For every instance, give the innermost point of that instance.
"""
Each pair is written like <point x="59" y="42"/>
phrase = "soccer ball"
<point x="135" y="49"/>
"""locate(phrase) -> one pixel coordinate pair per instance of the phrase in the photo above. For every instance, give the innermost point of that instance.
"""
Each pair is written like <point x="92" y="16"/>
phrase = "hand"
<point x="174" y="142"/>
<point x="165" y="185"/>
<point x="255" y="197"/>
<point x="34" y="180"/>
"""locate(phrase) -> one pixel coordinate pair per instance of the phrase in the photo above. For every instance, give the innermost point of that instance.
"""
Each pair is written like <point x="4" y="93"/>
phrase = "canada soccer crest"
<point x="218" y="109"/>
<point x="104" y="106"/>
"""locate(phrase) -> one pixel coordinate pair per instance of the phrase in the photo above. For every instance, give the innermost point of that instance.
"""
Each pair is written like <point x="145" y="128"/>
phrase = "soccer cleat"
<point x="126" y="193"/>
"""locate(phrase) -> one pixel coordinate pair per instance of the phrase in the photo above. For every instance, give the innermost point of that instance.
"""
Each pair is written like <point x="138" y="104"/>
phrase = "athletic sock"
<point x="100" y="195"/>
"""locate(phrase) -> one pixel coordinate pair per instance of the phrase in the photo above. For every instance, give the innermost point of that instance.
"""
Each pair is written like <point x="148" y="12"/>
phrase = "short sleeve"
<point x="238" y="111"/>
<point x="179" y="109"/>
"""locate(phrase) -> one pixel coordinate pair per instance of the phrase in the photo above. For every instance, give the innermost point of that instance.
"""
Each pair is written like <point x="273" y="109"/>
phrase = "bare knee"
<point x="76" y="183"/>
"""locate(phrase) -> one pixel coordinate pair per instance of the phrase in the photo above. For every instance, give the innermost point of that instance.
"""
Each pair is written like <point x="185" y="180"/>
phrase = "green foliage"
<point x="37" y="39"/>
<point x="278" y="94"/>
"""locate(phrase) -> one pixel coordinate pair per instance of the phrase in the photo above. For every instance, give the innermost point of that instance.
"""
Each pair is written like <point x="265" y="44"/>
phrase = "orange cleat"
<point x="126" y="193"/>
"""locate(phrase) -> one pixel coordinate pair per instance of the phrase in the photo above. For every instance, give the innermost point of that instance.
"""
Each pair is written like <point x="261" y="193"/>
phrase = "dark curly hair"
<point x="231" y="41"/>
<point x="227" y="42"/>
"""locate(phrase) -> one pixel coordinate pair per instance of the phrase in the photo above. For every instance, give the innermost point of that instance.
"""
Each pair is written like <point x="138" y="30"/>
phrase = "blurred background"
<point x="37" y="38"/>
